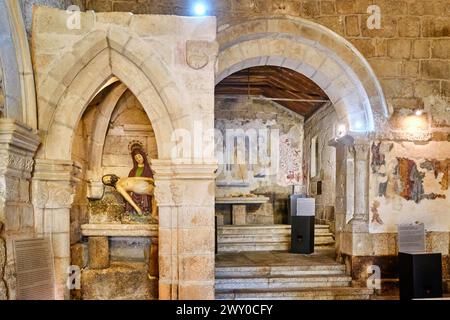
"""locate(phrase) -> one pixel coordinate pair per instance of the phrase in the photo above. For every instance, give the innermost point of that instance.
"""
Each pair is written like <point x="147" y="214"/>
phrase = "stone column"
<point x="53" y="190"/>
<point x="344" y="187"/>
<point x="355" y="240"/>
<point x="18" y="144"/>
<point x="185" y="198"/>
<point x="360" y="220"/>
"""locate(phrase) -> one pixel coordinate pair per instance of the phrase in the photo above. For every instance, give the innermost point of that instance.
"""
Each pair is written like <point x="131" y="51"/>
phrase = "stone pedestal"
<point x="185" y="197"/>
<point x="18" y="144"/>
<point x="98" y="253"/>
<point x="239" y="212"/>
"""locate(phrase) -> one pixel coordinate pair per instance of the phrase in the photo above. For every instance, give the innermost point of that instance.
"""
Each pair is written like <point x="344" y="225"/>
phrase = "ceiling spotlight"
<point x="418" y="112"/>
<point x="199" y="9"/>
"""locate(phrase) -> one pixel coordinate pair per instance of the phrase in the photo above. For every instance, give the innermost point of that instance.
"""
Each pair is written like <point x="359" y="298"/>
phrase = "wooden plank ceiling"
<point x="284" y="86"/>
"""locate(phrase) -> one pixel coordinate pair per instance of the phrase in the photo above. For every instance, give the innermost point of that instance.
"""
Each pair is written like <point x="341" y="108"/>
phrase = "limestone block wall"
<point x="322" y="126"/>
<point x="240" y="112"/>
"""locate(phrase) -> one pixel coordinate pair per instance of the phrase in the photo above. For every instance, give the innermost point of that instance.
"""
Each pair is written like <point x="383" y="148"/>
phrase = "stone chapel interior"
<point x="235" y="110"/>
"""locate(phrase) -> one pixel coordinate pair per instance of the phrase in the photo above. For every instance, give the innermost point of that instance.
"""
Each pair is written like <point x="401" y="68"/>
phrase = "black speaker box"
<point x="302" y="234"/>
<point x="420" y="275"/>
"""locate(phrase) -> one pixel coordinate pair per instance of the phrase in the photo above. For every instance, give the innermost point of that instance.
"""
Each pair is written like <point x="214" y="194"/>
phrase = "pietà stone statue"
<point x="138" y="188"/>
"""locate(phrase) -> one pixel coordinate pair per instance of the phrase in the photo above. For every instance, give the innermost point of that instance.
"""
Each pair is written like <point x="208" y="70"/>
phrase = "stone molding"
<point x="16" y="134"/>
<point x="119" y="230"/>
<point x="56" y="170"/>
<point x="167" y="170"/>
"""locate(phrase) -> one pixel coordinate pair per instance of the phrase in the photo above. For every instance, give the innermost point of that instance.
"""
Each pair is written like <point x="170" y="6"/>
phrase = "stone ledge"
<point x="119" y="230"/>
<point x="241" y="200"/>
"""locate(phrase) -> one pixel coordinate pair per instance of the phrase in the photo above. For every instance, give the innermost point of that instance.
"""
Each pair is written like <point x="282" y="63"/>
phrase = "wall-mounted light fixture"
<point x="418" y="112"/>
<point x="199" y="9"/>
<point x="341" y="130"/>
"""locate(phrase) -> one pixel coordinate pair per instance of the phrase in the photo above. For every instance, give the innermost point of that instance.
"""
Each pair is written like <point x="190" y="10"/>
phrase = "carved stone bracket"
<point x="199" y="53"/>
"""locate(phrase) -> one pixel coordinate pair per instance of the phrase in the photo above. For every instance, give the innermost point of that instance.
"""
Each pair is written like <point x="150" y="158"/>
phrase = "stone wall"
<point x="240" y="112"/>
<point x="2" y="94"/>
<point x="409" y="54"/>
<point x="27" y="8"/>
<point x="322" y="186"/>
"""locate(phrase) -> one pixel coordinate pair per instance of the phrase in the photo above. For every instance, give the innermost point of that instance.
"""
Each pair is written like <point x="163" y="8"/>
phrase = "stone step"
<point x="246" y="246"/>
<point x="232" y="238"/>
<point x="324" y="293"/>
<point x="265" y="246"/>
<point x="275" y="229"/>
<point x="252" y="238"/>
<point x="236" y="238"/>
<point x="271" y="271"/>
<point x="279" y="282"/>
<point x="254" y="229"/>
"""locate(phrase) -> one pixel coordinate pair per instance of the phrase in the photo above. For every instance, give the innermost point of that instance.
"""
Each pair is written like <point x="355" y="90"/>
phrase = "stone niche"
<point x="116" y="250"/>
<point x="267" y="120"/>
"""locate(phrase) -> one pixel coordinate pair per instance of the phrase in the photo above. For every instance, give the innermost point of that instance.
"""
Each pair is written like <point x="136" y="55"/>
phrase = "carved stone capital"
<point x="200" y="52"/>
<point x="361" y="149"/>
<point x="54" y="183"/>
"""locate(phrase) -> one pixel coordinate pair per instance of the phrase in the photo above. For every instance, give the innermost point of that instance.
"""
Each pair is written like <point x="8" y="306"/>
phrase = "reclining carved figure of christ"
<point x="138" y="185"/>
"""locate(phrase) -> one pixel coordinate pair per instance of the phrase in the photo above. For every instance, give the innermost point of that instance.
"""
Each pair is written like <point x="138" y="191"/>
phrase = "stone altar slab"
<point x="239" y="206"/>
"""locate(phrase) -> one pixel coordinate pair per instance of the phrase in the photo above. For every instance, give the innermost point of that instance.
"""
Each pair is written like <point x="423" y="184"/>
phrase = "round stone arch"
<point x="77" y="76"/>
<point x="314" y="51"/>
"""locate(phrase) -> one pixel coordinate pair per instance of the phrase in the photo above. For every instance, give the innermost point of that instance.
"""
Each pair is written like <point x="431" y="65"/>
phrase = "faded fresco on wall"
<point x="261" y="144"/>
<point x="290" y="164"/>
<point x="407" y="186"/>
<point x="274" y="137"/>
